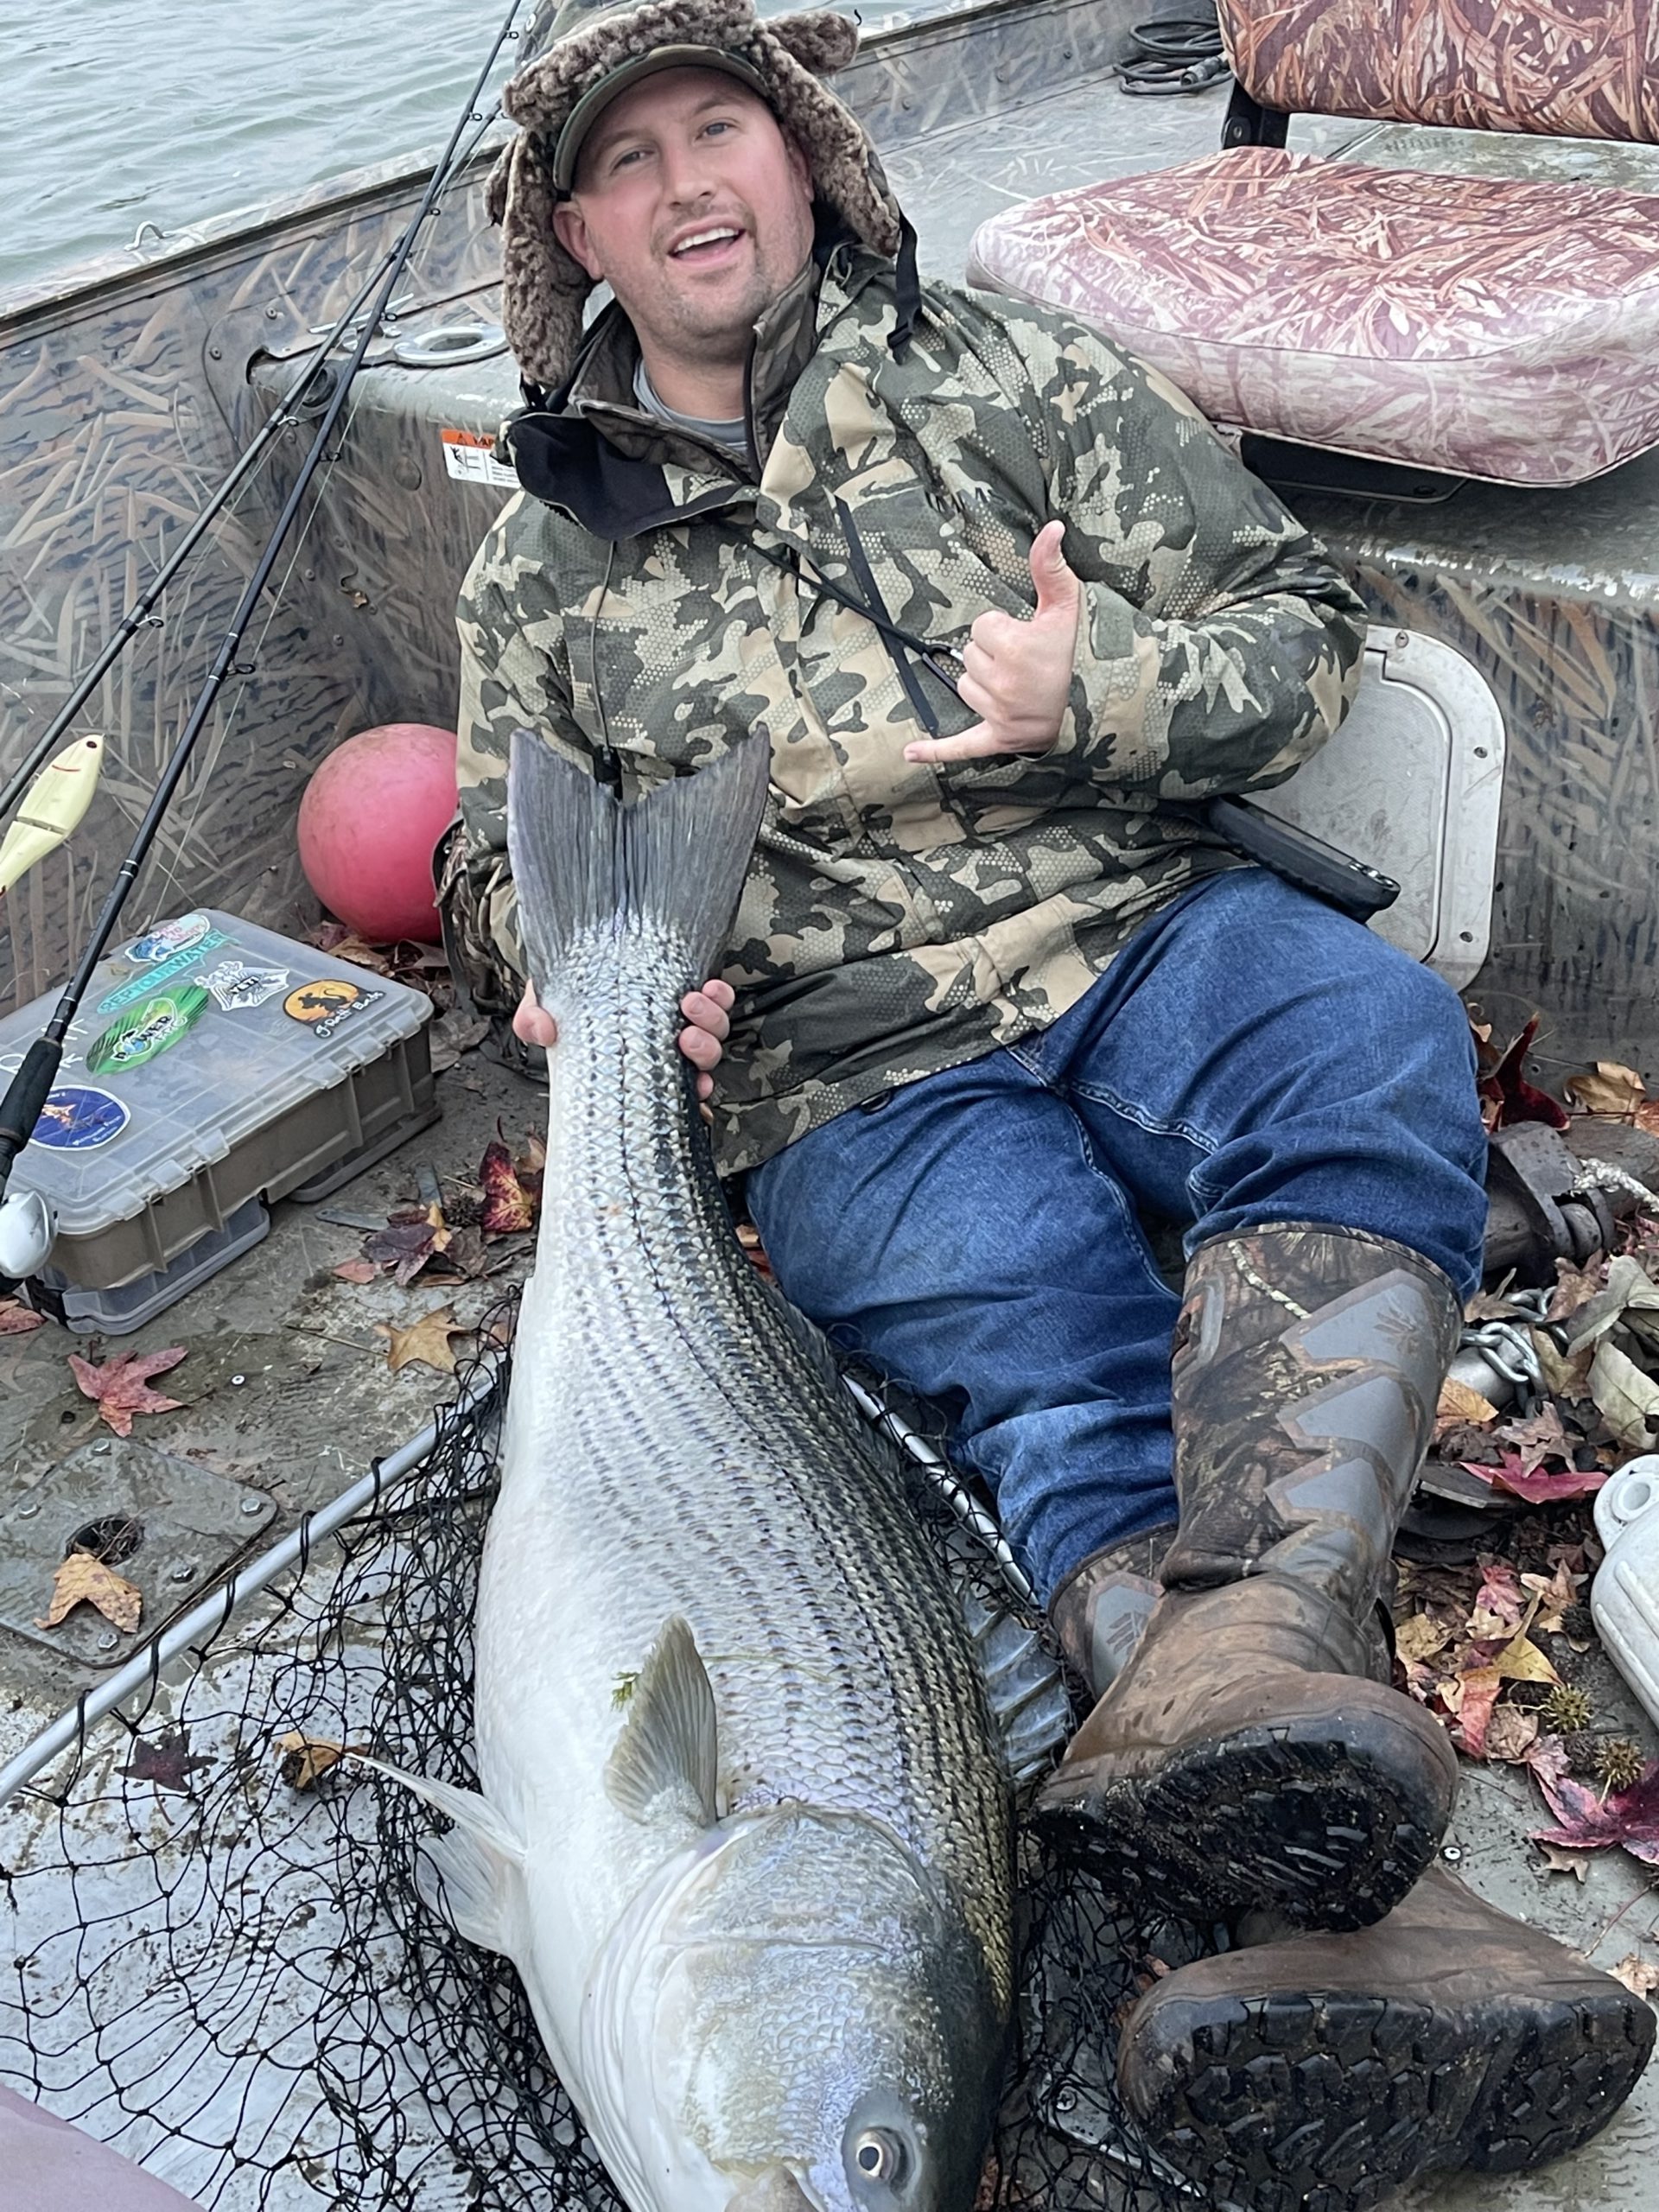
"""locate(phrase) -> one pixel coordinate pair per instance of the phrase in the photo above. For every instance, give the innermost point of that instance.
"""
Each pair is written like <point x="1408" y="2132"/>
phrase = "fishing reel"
<point x="27" y="1227"/>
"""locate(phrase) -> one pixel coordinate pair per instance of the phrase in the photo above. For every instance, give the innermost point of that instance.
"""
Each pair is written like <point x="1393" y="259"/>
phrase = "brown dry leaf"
<point x="452" y="1035"/>
<point x="1540" y="1439"/>
<point x="306" y="1759"/>
<point x="1574" y="1286"/>
<point x="121" y="1386"/>
<point x="1457" y="1402"/>
<point x="408" y="1239"/>
<point x="357" y="1271"/>
<point x="1625" y="1398"/>
<point x="1638" y="1975"/>
<point x="1521" y="1661"/>
<point x="1576" y="1863"/>
<point x="1609" y="1089"/>
<point x="1511" y="1734"/>
<point x="426" y="1341"/>
<point x="1555" y="1596"/>
<point x="346" y="944"/>
<point x="82" y="1580"/>
<point x="1477" y="1696"/>
<point x="1567" y="1374"/>
<point x="16" y="1319"/>
<point x="1420" y="1637"/>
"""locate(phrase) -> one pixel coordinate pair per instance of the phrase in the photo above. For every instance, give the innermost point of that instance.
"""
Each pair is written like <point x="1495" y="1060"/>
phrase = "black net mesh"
<point x="218" y="1962"/>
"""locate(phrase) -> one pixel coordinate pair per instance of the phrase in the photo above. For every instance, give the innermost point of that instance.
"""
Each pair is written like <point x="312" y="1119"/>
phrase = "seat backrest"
<point x="1567" y="68"/>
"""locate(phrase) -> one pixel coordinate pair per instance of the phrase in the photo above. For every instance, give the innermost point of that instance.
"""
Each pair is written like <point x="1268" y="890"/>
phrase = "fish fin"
<point x="473" y="1876"/>
<point x="584" y="863"/>
<point x="669" y="1743"/>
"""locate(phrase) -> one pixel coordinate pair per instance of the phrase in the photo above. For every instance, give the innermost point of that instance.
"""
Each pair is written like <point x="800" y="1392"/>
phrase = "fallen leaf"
<point x="1630" y="1295"/>
<point x="1506" y="1095"/>
<point x="83" y="1581"/>
<point x="1589" y="1821"/>
<point x="1609" y="1088"/>
<point x="1500" y="1597"/>
<point x="16" y="1319"/>
<point x="306" y="1759"/>
<point x="1638" y="1975"/>
<point x="1539" y="1438"/>
<point x="1512" y="1733"/>
<point x="1626" y="1399"/>
<point x="1521" y="1661"/>
<point x="1567" y="1374"/>
<point x="346" y="944"/>
<point x="121" y="1386"/>
<point x="1574" y="1286"/>
<point x="166" y="1760"/>
<point x="357" y="1270"/>
<point x="452" y="1035"/>
<point x="1418" y="1637"/>
<point x="1576" y="1863"/>
<point x="1538" y="1488"/>
<point x="408" y="1239"/>
<point x="508" y="1206"/>
<point x="1555" y="1596"/>
<point x="1480" y="1688"/>
<point x="426" y="1341"/>
<point x="1549" y="1760"/>
<point x="1457" y="1401"/>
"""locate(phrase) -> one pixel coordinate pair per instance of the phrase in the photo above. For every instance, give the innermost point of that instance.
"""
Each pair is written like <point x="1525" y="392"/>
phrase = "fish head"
<point x="814" y="2027"/>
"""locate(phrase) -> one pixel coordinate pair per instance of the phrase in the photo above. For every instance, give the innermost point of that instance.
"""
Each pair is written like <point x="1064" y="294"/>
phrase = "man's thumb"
<point x="1058" y="589"/>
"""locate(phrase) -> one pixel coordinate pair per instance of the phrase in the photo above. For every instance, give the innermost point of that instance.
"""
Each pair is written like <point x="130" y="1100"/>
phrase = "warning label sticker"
<point x="470" y="455"/>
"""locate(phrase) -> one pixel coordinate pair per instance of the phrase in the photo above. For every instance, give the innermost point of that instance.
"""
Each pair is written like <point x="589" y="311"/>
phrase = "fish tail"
<point x="674" y="861"/>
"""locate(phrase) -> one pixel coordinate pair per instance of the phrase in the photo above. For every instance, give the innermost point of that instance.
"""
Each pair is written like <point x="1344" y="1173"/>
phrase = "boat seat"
<point x="1494" y="327"/>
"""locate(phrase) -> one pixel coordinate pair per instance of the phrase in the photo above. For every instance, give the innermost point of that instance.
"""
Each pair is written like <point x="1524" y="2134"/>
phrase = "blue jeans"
<point x="1252" y="1056"/>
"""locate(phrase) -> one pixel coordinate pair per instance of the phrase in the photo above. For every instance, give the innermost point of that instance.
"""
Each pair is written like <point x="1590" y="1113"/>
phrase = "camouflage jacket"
<point x="644" y="605"/>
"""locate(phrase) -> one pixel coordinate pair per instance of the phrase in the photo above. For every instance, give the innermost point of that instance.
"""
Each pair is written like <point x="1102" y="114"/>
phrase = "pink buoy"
<point x="369" y="817"/>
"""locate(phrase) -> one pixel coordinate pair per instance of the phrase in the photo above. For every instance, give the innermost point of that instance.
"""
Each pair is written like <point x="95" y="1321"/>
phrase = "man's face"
<point x="693" y="206"/>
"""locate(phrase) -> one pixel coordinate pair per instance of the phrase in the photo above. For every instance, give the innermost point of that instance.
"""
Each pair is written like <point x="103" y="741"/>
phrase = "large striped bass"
<point x="743" y="1829"/>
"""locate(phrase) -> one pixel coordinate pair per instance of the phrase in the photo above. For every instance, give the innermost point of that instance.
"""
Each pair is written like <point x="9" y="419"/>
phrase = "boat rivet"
<point x="271" y="314"/>
<point x="237" y="1381"/>
<point x="29" y="1505"/>
<point x="183" y="1570"/>
<point x="1452" y="1855"/>
<point x="254" y="1506"/>
<point x="108" y="1641"/>
<point x="215" y="353"/>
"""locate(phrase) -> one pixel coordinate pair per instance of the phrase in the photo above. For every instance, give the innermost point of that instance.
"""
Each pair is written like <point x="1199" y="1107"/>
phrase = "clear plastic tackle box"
<point x="214" y="1067"/>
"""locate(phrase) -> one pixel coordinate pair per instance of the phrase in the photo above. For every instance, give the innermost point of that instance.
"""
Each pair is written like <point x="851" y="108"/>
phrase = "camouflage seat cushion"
<point x="1490" y="326"/>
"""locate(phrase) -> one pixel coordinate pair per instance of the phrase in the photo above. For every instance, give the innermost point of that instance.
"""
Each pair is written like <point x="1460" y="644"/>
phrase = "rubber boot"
<point x="1247" y="1759"/>
<point x="1101" y="1610"/>
<point x="1328" y="2070"/>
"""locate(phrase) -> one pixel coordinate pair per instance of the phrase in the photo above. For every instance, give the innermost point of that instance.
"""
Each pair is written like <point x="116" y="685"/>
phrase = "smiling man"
<point x="1007" y="613"/>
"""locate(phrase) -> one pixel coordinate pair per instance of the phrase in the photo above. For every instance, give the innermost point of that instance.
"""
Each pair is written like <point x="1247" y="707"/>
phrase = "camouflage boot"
<point x="1100" y="1611"/>
<point x="1328" y="2070"/>
<point x="1247" y="1759"/>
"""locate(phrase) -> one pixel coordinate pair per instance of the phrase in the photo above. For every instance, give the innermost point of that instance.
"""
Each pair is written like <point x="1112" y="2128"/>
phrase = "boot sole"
<point x="1326" y="2103"/>
<point x="1326" y="1822"/>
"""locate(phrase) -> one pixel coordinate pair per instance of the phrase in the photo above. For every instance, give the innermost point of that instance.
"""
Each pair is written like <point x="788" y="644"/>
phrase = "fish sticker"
<point x="180" y="963"/>
<point x="147" y="1032"/>
<point x="79" y="1119"/>
<point x="324" y="1005"/>
<point x="160" y="944"/>
<point x="238" y="986"/>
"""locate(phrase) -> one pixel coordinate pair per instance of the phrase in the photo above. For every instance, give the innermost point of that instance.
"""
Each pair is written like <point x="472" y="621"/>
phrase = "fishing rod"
<point x="27" y="1093"/>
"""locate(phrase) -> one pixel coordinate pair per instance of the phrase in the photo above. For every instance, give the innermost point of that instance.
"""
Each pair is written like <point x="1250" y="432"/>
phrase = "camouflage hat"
<point x="593" y="55"/>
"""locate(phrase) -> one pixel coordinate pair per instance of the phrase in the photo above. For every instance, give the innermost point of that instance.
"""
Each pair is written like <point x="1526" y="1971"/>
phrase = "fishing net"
<point x="216" y="1958"/>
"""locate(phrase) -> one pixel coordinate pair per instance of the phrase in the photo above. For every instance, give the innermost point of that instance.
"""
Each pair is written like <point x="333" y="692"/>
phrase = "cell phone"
<point x="1308" y="862"/>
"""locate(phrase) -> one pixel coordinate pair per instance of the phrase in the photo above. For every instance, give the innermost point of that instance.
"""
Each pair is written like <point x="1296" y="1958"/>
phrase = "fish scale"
<point x="741" y="1990"/>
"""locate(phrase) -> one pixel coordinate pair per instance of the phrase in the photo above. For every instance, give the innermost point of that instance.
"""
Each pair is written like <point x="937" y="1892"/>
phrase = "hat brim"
<point x="593" y="104"/>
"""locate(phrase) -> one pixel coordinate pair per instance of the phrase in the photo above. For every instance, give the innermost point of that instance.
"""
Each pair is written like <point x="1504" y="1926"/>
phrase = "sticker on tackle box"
<point x="469" y="455"/>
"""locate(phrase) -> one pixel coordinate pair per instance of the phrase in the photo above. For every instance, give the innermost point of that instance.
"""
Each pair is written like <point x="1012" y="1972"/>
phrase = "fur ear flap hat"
<point x="595" y="53"/>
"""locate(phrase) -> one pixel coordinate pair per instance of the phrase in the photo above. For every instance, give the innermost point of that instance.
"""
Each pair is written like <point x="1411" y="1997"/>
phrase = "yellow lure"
<point x="51" y="808"/>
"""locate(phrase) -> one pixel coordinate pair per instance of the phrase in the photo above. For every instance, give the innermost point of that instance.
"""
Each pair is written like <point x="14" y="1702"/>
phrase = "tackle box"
<point x="214" y="1067"/>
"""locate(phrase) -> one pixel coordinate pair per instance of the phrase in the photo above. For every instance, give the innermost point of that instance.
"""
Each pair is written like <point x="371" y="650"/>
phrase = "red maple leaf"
<point x="121" y="1386"/>
<point x="1592" y="1822"/>
<point x="1538" y="1487"/>
<point x="1506" y="1095"/>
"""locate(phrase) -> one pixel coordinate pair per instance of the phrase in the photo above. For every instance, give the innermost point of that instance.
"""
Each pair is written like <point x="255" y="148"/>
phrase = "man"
<point x="1007" y="613"/>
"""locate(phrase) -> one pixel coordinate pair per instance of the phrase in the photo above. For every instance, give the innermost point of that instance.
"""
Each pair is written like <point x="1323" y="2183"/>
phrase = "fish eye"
<point x="878" y="2155"/>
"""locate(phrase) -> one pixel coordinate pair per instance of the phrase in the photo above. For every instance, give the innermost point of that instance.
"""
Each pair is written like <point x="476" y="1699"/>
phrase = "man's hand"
<point x="1017" y="675"/>
<point x="707" y="1024"/>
